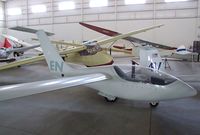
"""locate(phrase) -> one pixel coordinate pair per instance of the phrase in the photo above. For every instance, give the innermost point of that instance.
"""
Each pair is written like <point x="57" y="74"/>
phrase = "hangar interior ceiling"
<point x="181" y="18"/>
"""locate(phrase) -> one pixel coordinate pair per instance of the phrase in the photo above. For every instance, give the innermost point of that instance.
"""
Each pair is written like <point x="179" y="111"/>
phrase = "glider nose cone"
<point x="192" y="91"/>
<point x="180" y="89"/>
<point x="186" y="90"/>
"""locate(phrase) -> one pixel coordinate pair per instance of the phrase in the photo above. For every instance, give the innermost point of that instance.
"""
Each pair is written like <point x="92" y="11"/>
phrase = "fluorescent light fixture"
<point x="38" y="8"/>
<point x="174" y="0"/>
<point x="66" y="5"/>
<point x="14" y="11"/>
<point x="98" y="3"/>
<point x="127" y="2"/>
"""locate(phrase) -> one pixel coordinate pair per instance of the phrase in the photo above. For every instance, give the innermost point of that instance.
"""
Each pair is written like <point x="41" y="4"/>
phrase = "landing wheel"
<point x="17" y="54"/>
<point x="154" y="104"/>
<point x="112" y="100"/>
<point x="63" y="58"/>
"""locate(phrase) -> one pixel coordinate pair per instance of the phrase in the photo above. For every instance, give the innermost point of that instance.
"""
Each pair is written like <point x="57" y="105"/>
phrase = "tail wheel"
<point x="112" y="100"/>
<point x="154" y="104"/>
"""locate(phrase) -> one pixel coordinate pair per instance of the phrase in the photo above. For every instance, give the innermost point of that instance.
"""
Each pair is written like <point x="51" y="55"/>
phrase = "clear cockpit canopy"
<point x="142" y="74"/>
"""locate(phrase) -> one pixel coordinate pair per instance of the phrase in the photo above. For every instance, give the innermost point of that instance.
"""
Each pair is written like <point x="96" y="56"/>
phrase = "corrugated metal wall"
<point x="115" y="11"/>
<point x="2" y="17"/>
<point x="180" y="19"/>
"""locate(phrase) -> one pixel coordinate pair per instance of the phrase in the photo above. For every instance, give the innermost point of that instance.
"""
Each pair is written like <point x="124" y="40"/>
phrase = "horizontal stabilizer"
<point x="29" y="30"/>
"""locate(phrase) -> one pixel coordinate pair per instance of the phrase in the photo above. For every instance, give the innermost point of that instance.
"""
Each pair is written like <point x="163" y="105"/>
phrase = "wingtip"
<point x="29" y="30"/>
<point x="162" y="25"/>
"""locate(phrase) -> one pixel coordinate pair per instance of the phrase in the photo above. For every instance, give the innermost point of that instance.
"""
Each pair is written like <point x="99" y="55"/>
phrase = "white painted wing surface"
<point x="115" y="38"/>
<point x="25" y="89"/>
<point x="22" y="49"/>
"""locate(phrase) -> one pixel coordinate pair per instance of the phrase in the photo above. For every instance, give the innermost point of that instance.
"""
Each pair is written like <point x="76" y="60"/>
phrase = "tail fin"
<point x="149" y="57"/>
<point x="135" y="51"/>
<point x="54" y="60"/>
<point x="7" y="43"/>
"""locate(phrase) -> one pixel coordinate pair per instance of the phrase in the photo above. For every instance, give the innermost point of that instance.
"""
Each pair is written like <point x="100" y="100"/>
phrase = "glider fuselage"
<point x="137" y="83"/>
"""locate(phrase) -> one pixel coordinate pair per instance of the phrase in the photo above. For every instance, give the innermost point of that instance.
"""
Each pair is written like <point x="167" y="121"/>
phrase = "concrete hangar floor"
<point x="79" y="110"/>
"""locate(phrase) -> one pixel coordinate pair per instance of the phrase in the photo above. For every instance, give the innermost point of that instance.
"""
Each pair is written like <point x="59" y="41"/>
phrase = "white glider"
<point x="127" y="82"/>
